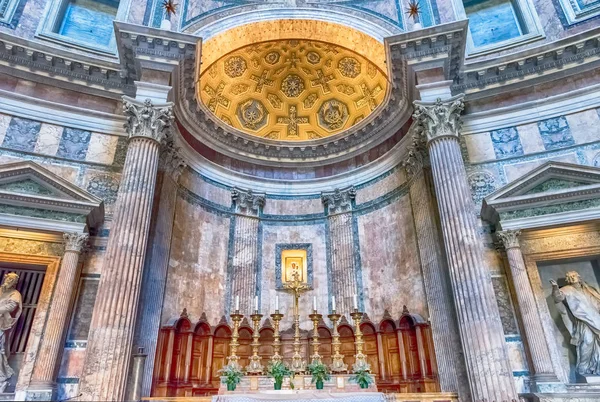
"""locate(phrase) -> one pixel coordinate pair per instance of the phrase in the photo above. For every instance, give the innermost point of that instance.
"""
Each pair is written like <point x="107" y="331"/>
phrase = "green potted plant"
<point x="319" y="373"/>
<point x="233" y="375"/>
<point x="278" y="371"/>
<point x="362" y="378"/>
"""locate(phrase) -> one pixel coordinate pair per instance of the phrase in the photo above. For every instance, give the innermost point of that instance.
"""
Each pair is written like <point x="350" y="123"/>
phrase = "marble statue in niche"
<point x="579" y="306"/>
<point x="10" y="310"/>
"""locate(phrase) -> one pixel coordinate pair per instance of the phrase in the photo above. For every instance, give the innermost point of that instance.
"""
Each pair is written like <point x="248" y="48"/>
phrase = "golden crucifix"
<point x="297" y="286"/>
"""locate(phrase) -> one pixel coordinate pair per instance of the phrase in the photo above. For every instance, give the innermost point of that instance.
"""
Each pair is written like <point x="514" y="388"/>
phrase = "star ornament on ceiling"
<point x="170" y="7"/>
<point x="414" y="9"/>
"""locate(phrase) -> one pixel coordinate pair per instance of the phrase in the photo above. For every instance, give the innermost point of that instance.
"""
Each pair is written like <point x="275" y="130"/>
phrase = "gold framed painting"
<point x="294" y="262"/>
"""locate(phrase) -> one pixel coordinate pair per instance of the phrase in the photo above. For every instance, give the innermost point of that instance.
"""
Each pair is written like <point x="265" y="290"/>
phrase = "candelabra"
<point x="337" y="365"/>
<point x="316" y="357"/>
<point x="296" y="286"/>
<point x="255" y="367"/>
<point x="276" y="337"/>
<point x="233" y="359"/>
<point x="360" y="358"/>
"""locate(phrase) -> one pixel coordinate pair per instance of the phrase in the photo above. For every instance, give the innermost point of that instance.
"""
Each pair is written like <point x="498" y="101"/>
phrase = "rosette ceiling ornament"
<point x="292" y="89"/>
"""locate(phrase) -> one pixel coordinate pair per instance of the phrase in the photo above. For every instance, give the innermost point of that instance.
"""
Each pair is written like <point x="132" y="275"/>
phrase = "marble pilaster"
<point x="343" y="276"/>
<point x="543" y="370"/>
<point x="244" y="269"/>
<point x="52" y="344"/>
<point x="444" y="329"/>
<point x="157" y="259"/>
<point x="481" y="332"/>
<point x="111" y="333"/>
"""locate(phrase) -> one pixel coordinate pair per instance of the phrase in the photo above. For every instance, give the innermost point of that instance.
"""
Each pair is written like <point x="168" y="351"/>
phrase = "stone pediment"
<point x="553" y="194"/>
<point x="32" y="196"/>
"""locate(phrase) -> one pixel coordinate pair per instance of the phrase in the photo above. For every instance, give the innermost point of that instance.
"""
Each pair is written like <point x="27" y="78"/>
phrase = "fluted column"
<point x="481" y="332"/>
<point x="111" y="333"/>
<point x="157" y="259"/>
<point x="543" y="371"/>
<point x="52" y="342"/>
<point x="444" y="329"/>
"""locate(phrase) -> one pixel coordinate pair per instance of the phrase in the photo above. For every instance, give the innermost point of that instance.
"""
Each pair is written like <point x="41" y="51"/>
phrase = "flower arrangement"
<point x="319" y="372"/>
<point x="233" y="375"/>
<point x="363" y="378"/>
<point x="278" y="371"/>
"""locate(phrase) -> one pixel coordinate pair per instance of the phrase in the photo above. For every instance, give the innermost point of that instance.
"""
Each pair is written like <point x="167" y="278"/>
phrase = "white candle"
<point x="255" y="303"/>
<point x="237" y="303"/>
<point x="333" y="303"/>
<point x="315" y="303"/>
<point x="277" y="302"/>
<point x="355" y="302"/>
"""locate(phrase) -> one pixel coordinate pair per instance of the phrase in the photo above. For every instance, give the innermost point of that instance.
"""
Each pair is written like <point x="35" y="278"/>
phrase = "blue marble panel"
<point x="120" y="151"/>
<point x="587" y="4"/>
<point x="492" y="21"/>
<point x="89" y="21"/>
<point x="105" y="187"/>
<point x="506" y="142"/>
<point x="22" y="134"/>
<point x="556" y="133"/>
<point x="74" y="144"/>
<point x="82" y="312"/>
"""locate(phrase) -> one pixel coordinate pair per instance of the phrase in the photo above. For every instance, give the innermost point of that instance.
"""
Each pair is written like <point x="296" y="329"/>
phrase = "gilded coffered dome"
<point x="292" y="90"/>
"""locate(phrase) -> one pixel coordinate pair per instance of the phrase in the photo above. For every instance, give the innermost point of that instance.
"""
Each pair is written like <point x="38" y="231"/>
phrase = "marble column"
<point x="345" y="276"/>
<point x="543" y="370"/>
<point x="244" y="269"/>
<point x="52" y="343"/>
<point x="111" y="333"/>
<point x="442" y="314"/>
<point x="157" y="259"/>
<point x="486" y="358"/>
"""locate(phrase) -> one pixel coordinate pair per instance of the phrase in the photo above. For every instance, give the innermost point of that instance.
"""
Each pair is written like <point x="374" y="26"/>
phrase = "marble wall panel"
<point x="479" y="147"/>
<point x="67" y="388"/>
<point x="298" y="206"/>
<point x="530" y="138"/>
<point x="390" y="261"/>
<point x="392" y="180"/>
<point x="314" y="234"/>
<point x="197" y="264"/>
<point x="21" y="134"/>
<point x="48" y="139"/>
<point x="102" y="148"/>
<point x="71" y="365"/>
<point x="74" y="144"/>
<point x="516" y="170"/>
<point x="104" y="185"/>
<point x="585" y="126"/>
<point x="205" y="189"/>
<point x="31" y="247"/>
<point x="84" y="306"/>
<point x="4" y="123"/>
<point x="505" y="306"/>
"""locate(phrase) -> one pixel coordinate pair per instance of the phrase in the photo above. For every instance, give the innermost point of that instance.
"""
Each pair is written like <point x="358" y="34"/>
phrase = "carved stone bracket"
<point x="339" y="201"/>
<point x="440" y="118"/>
<point x="147" y="120"/>
<point x="509" y="238"/>
<point x="75" y="241"/>
<point x="247" y="202"/>
<point x="171" y="161"/>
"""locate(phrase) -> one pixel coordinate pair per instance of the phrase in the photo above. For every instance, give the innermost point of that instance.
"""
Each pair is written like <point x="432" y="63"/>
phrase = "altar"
<point x="302" y="396"/>
<point x="338" y="384"/>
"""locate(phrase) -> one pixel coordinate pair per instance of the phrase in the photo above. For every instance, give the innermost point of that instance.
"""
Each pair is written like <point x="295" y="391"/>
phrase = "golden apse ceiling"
<point x="292" y="90"/>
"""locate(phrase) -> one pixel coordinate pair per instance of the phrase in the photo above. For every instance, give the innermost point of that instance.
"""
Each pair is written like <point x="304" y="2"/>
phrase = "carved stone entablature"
<point x="246" y="202"/>
<point x="509" y="238"/>
<point x="553" y="194"/>
<point x="171" y="160"/>
<point x="339" y="201"/>
<point x="75" y="241"/>
<point x="146" y="119"/>
<point x="440" y="118"/>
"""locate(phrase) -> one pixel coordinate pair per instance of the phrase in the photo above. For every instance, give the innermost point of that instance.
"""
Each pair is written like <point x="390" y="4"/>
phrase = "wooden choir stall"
<point x="190" y="355"/>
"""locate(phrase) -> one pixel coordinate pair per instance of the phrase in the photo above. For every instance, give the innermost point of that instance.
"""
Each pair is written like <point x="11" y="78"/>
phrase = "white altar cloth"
<point x="302" y="396"/>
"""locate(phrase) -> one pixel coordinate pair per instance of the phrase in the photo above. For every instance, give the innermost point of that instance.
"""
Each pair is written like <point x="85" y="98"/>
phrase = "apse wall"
<point x="383" y="241"/>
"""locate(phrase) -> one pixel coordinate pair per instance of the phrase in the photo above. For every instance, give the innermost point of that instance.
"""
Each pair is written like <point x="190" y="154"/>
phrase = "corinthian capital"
<point x="339" y="200"/>
<point x="440" y="118"/>
<point x="246" y="202"/>
<point x="75" y="241"/>
<point x="417" y="156"/>
<point x="509" y="238"/>
<point x="147" y="120"/>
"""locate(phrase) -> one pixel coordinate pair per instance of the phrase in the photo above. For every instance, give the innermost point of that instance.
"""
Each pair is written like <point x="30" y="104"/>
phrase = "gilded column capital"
<point x="171" y="161"/>
<point x="509" y="238"/>
<point x="247" y="202"/>
<point x="147" y="120"/>
<point x="338" y="200"/>
<point x="440" y="118"/>
<point x="75" y="241"/>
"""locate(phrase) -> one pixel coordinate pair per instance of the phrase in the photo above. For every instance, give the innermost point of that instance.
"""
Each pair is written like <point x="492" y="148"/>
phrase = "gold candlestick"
<point x="296" y="286"/>
<point x="233" y="359"/>
<point x="360" y="358"/>
<point x="316" y="357"/>
<point x="337" y="365"/>
<point x="255" y="367"/>
<point x="276" y="337"/>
